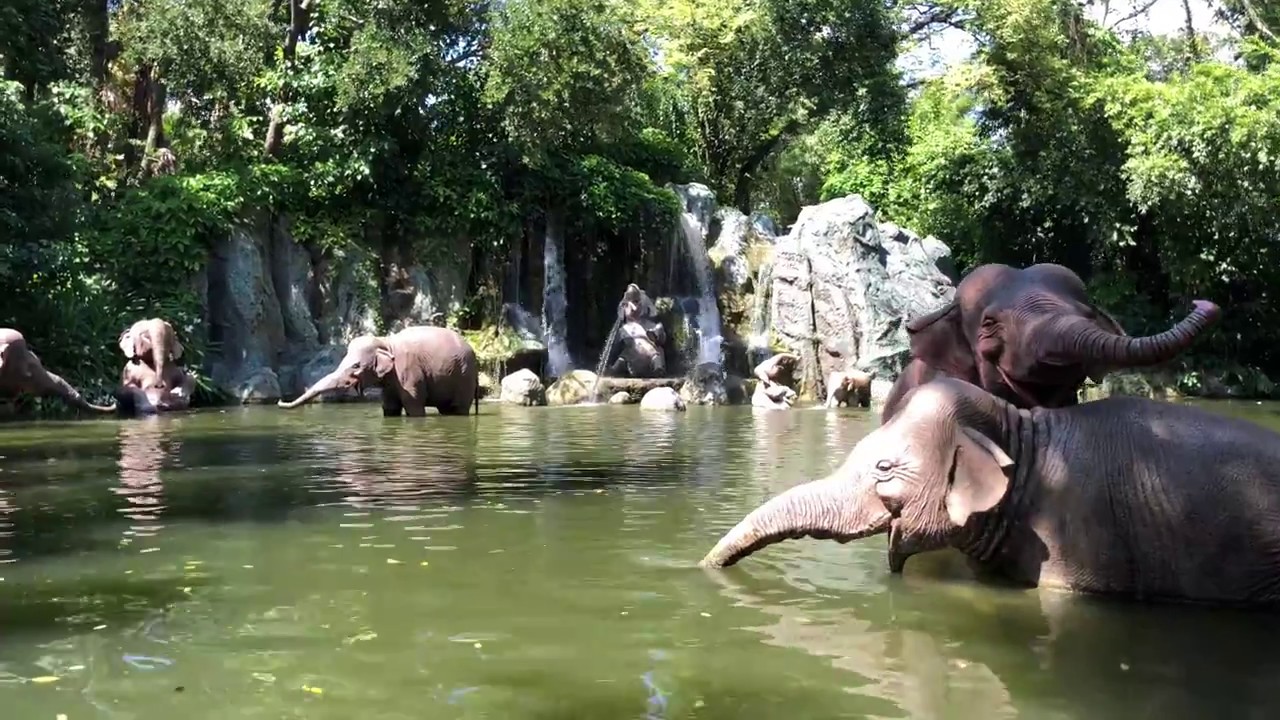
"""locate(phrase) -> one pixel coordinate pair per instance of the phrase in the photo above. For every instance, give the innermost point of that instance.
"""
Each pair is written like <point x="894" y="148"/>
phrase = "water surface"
<point x="531" y="563"/>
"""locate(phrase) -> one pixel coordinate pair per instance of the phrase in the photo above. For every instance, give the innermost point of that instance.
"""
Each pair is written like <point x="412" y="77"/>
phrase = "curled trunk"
<point x="56" y="385"/>
<point x="823" y="509"/>
<point x="324" y="384"/>
<point x="1080" y="338"/>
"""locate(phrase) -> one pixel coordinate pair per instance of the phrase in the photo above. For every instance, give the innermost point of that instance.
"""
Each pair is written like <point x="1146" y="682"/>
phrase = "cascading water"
<point x="761" y="315"/>
<point x="603" y="363"/>
<point x="554" y="305"/>
<point x="709" y="337"/>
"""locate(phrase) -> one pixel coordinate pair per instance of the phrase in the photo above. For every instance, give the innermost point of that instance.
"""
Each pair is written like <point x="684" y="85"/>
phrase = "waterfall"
<point x="553" y="302"/>
<point x="761" y="313"/>
<point x="709" y="337"/>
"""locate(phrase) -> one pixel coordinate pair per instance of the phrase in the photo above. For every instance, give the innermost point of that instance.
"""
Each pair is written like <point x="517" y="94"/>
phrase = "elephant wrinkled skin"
<point x="21" y="371"/>
<point x="1030" y="336"/>
<point x="419" y="367"/>
<point x="1124" y="496"/>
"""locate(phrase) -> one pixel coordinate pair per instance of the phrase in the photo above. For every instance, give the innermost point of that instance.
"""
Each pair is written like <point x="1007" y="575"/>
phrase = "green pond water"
<point x="531" y="563"/>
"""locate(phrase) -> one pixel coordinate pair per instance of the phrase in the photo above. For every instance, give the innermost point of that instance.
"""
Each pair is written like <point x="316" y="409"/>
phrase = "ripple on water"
<point x="331" y="563"/>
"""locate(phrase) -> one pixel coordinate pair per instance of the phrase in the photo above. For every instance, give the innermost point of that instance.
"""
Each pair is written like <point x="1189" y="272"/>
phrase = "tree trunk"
<point x="299" y="21"/>
<point x="97" y="26"/>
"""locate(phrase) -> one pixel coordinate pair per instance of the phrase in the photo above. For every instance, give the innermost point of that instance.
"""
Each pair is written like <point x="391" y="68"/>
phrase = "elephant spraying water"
<point x="1124" y="496"/>
<point x="418" y="367"/>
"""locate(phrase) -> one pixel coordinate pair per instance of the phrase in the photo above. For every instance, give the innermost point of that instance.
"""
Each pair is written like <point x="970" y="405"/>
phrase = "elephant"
<point x="154" y="342"/>
<point x="418" y="367"/>
<point x="21" y="371"/>
<point x="779" y="369"/>
<point x="1031" y="337"/>
<point x="143" y="391"/>
<point x="1125" y="496"/>
<point x="849" y="387"/>
<point x="642" y="336"/>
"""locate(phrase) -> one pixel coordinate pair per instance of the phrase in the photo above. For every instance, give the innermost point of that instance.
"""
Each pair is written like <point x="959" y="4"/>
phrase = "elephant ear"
<point x="978" y="480"/>
<point x="383" y="362"/>
<point x="129" y="344"/>
<point x="937" y="340"/>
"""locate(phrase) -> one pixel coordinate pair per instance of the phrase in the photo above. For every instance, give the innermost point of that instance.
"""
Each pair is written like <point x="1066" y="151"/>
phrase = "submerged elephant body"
<point x="1031" y="336"/>
<point x="1123" y="496"/>
<point x="21" y="371"/>
<point x="417" y="368"/>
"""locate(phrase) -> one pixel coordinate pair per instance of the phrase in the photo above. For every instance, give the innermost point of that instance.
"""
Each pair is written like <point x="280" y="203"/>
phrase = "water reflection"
<point x="6" y="525"/>
<point x="144" y="445"/>
<point x="958" y="650"/>
<point x="531" y="563"/>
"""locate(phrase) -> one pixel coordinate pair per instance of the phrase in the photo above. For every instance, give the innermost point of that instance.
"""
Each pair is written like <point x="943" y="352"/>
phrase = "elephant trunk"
<point x="324" y="384"/>
<point x="161" y="343"/>
<point x="1080" y="338"/>
<point x="63" y="389"/>
<point x="822" y="509"/>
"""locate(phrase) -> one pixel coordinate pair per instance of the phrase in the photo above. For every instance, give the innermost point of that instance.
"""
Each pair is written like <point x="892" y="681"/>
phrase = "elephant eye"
<point x="884" y="465"/>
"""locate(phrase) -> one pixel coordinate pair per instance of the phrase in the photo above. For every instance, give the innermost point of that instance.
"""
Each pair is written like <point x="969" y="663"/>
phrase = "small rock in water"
<point x="392" y="561"/>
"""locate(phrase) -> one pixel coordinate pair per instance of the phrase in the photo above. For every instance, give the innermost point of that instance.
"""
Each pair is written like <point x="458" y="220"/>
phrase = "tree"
<point x="761" y="71"/>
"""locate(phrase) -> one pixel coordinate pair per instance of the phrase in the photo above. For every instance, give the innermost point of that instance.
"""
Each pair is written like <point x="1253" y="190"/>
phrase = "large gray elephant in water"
<point x="1031" y="336"/>
<point x="418" y="367"/>
<point x="21" y="371"/>
<point x="1124" y="496"/>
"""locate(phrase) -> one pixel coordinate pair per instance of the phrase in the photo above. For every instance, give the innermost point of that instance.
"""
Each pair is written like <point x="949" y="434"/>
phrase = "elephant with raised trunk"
<point x="21" y="371"/>
<point x="419" y="367"/>
<point x="1031" y="337"/>
<point x="1123" y="496"/>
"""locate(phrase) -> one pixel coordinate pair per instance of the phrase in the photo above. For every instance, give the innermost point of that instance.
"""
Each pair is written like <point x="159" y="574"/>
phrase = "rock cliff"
<point x="278" y="313"/>
<point x="843" y="287"/>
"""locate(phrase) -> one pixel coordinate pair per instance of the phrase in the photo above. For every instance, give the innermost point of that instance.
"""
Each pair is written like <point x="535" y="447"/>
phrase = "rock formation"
<point x="844" y="286"/>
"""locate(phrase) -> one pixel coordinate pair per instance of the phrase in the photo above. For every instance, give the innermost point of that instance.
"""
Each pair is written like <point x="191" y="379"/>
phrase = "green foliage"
<point x="564" y="73"/>
<point x="1141" y="162"/>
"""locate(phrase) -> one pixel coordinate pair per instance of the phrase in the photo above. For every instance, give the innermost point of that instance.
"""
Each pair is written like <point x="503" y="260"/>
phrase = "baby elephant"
<point x="419" y="367"/>
<point x="1122" y="496"/>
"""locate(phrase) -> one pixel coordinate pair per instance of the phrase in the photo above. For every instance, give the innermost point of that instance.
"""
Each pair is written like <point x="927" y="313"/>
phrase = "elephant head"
<point x="1031" y="336"/>
<point x="153" y="339"/>
<point x="21" y="369"/>
<point x="919" y="477"/>
<point x="368" y="360"/>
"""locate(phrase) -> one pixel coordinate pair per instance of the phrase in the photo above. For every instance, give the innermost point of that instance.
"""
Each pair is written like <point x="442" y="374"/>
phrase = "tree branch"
<point x="1256" y="19"/>
<point x="1141" y="10"/>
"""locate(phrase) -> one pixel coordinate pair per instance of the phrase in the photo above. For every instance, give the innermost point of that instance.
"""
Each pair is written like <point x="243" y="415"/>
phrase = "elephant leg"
<point x="391" y="404"/>
<point x="414" y="407"/>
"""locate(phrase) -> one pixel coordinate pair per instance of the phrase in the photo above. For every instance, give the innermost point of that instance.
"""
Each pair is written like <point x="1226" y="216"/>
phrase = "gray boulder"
<point x="662" y="398"/>
<point x="844" y="287"/>
<point x="523" y="387"/>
